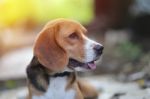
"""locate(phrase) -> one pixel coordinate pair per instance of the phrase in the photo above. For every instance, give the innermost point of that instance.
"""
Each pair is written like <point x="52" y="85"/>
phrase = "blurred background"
<point x="122" y="26"/>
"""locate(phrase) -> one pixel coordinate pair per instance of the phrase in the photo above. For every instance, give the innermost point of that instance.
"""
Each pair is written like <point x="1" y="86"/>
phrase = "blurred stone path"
<point x="19" y="93"/>
<point x="112" y="89"/>
<point x="109" y="89"/>
<point x="13" y="64"/>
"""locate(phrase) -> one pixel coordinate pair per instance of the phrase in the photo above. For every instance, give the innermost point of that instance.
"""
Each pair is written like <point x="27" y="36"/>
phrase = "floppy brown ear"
<point x="48" y="51"/>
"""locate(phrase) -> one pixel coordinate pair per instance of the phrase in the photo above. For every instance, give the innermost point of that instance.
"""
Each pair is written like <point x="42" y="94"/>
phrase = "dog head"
<point x="62" y="45"/>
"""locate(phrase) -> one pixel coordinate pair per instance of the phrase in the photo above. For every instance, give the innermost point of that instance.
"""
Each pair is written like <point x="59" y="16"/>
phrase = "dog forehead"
<point x="68" y="28"/>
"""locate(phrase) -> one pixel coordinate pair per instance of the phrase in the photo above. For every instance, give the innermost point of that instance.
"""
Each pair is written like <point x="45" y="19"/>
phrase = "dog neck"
<point x="37" y="74"/>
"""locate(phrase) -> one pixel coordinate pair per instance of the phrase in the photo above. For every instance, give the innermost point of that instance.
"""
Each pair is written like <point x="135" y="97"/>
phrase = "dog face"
<point x="62" y="44"/>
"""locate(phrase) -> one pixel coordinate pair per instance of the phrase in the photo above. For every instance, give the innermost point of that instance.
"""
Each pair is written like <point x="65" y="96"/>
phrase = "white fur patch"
<point x="89" y="51"/>
<point x="56" y="90"/>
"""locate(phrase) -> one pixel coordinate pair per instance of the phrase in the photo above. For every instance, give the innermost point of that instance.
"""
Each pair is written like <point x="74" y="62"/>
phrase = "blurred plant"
<point x="129" y="51"/>
<point x="10" y="84"/>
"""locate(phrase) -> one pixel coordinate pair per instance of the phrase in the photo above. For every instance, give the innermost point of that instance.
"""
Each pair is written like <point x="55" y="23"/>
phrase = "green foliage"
<point x="129" y="51"/>
<point x="10" y="84"/>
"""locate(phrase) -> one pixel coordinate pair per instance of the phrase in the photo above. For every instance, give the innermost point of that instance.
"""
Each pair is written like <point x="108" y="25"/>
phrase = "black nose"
<point x="98" y="49"/>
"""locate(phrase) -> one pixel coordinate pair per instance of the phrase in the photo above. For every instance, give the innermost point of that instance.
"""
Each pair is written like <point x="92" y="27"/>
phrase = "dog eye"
<point x="73" y="36"/>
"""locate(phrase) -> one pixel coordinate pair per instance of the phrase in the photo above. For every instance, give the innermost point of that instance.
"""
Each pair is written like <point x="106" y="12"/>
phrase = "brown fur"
<point x="53" y="43"/>
<point x="87" y="90"/>
<point x="52" y="50"/>
<point x="48" y="51"/>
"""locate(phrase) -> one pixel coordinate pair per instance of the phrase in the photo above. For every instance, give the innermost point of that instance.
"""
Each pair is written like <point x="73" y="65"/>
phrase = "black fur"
<point x="62" y="74"/>
<point x="36" y="70"/>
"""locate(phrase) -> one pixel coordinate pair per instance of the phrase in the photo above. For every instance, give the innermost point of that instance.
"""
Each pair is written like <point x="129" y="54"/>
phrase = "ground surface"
<point x="108" y="87"/>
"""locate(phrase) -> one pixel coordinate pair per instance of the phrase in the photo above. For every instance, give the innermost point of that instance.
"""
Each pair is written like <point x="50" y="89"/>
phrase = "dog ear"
<point x="48" y="51"/>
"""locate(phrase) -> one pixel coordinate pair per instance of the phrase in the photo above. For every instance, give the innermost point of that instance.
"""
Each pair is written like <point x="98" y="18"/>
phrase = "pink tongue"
<point x="92" y="65"/>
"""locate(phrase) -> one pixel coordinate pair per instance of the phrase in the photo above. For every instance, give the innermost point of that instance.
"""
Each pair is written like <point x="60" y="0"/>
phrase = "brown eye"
<point x="73" y="36"/>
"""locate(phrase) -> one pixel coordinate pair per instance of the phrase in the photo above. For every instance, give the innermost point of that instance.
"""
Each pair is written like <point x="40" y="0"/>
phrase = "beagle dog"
<point x="60" y="50"/>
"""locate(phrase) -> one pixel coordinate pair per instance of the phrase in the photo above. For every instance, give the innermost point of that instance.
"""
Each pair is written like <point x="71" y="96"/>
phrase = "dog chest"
<point x="56" y="90"/>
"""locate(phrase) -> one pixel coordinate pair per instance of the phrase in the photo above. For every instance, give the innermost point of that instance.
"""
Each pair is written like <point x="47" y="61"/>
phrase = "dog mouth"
<point x="88" y="65"/>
